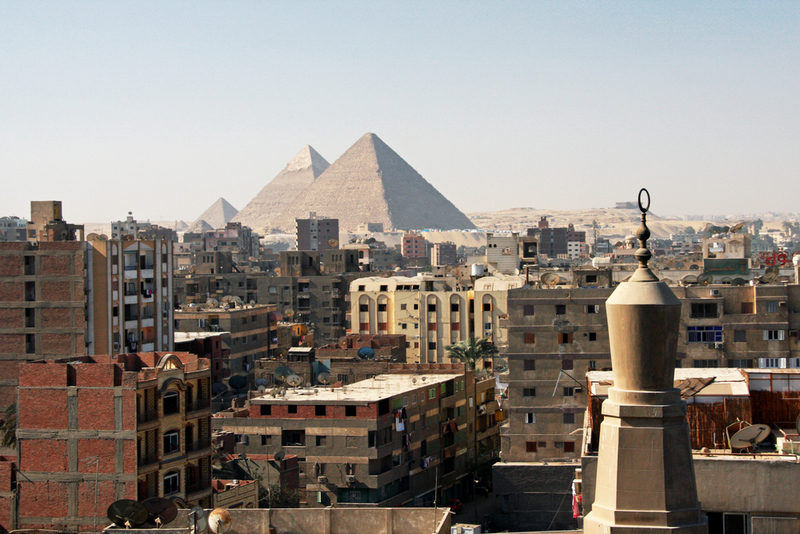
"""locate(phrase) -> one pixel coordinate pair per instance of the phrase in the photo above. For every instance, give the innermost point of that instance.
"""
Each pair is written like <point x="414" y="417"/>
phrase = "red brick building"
<point x="128" y="427"/>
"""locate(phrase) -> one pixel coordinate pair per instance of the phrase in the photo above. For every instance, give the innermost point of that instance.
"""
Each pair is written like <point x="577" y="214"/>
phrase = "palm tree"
<point x="471" y="351"/>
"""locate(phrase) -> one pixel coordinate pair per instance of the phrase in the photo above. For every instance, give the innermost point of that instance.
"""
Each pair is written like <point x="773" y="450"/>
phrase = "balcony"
<point x="198" y="490"/>
<point x="148" y="464"/>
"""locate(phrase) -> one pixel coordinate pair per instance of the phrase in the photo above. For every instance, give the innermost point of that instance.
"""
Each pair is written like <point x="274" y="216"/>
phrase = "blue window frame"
<point x="704" y="334"/>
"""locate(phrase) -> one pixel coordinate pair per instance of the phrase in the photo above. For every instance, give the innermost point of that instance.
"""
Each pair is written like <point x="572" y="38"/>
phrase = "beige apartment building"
<point x="556" y="335"/>
<point x="431" y="311"/>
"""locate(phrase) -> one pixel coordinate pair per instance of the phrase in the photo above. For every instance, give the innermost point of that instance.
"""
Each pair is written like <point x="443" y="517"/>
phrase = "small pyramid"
<point x="199" y="226"/>
<point x="218" y="214"/>
<point x="298" y="174"/>
<point x="372" y="183"/>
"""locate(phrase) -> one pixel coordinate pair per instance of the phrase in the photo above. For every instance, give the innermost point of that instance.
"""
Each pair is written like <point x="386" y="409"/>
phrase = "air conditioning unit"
<point x="719" y="345"/>
<point x="349" y="478"/>
<point x="322" y="479"/>
<point x="715" y="292"/>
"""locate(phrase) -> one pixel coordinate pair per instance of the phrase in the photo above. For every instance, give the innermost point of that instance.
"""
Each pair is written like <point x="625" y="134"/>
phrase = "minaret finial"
<point x="643" y="273"/>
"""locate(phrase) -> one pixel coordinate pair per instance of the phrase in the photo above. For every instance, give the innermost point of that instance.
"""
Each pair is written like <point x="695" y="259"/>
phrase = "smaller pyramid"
<point x="218" y="214"/>
<point x="298" y="174"/>
<point x="199" y="226"/>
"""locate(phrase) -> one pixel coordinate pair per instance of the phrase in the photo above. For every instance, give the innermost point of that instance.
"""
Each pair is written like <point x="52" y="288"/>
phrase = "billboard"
<point x="727" y="266"/>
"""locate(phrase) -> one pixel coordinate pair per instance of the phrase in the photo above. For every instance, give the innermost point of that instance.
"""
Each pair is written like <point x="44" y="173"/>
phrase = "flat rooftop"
<point x="373" y="389"/>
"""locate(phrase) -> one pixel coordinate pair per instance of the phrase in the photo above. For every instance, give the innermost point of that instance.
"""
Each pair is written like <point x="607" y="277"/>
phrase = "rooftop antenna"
<point x="198" y="522"/>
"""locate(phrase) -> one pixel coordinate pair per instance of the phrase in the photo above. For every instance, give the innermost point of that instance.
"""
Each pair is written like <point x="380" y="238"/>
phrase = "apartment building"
<point x="444" y="254"/>
<point x="99" y="429"/>
<point x="140" y="230"/>
<point x="317" y="233"/>
<point x="431" y="311"/>
<point x="13" y="229"/>
<point x="252" y="335"/>
<point x="385" y="441"/>
<point x="556" y="335"/>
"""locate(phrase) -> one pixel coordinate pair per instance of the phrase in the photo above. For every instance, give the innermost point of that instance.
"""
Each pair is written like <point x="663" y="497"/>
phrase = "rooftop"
<point x="379" y="387"/>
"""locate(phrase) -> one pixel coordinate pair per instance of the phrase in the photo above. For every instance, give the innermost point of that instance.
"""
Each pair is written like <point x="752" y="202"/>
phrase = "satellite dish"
<point x="212" y="302"/>
<point x="294" y="380"/>
<point x="218" y="387"/>
<point x="705" y="279"/>
<point x="366" y="353"/>
<point x="220" y="520"/>
<point x="127" y="513"/>
<point x="797" y="424"/>
<point x="262" y="389"/>
<point x="500" y="365"/>
<point x="226" y="299"/>
<point x="771" y="274"/>
<point x="279" y="456"/>
<point x="736" y="227"/>
<point x="237" y="382"/>
<point x="333" y="242"/>
<point x="324" y="378"/>
<point x="749" y="437"/>
<point x="198" y="519"/>
<point x="738" y="282"/>
<point x="261" y="382"/>
<point x="282" y="372"/>
<point x="161" y="510"/>
<point x="288" y="313"/>
<point x="550" y="279"/>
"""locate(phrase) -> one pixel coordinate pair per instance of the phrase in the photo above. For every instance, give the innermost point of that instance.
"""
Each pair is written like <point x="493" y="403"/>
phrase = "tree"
<point x="471" y="351"/>
<point x="280" y="496"/>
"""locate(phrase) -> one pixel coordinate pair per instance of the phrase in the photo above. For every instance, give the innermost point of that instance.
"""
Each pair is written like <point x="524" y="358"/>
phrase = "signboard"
<point x="776" y="258"/>
<point x="727" y="266"/>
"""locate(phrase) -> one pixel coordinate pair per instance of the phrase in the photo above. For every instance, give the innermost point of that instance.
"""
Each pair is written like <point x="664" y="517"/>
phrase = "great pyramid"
<point x="299" y="173"/>
<point x="217" y="215"/>
<point x="371" y="183"/>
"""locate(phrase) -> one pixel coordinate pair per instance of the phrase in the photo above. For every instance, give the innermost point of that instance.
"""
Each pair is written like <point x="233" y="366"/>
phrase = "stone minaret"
<point x="645" y="475"/>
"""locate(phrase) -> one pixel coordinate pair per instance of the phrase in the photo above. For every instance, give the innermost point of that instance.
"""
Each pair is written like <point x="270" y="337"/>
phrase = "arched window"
<point x="172" y="482"/>
<point x="172" y="442"/>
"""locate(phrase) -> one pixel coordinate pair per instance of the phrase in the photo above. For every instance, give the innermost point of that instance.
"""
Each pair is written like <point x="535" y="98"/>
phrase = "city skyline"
<point x="161" y="109"/>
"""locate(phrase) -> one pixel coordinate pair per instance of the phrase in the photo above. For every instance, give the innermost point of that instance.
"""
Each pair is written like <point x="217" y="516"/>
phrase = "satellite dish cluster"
<point x="159" y="511"/>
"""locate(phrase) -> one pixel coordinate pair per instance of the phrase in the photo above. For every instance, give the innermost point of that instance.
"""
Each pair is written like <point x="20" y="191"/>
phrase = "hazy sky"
<point x="160" y="107"/>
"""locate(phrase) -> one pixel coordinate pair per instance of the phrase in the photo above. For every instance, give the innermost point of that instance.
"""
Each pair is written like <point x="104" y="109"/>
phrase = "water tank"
<point x="477" y="269"/>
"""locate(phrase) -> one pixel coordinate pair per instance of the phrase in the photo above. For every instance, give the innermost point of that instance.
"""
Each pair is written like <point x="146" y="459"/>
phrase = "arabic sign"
<point x="727" y="266"/>
<point x="776" y="258"/>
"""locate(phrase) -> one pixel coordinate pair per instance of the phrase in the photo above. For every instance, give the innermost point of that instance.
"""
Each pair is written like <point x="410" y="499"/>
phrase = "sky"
<point x="160" y="108"/>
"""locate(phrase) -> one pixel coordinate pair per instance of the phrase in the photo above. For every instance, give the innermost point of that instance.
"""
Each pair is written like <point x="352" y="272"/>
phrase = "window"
<point x="565" y="338"/>
<point x="592" y="336"/>
<point x="774" y="335"/>
<point x="416" y="306"/>
<point x="566" y="365"/>
<point x="592" y="308"/>
<point x="431" y="345"/>
<point x="266" y="409"/>
<point x="362" y="288"/>
<point x="383" y="327"/>
<point x="530" y="365"/>
<point x="363" y="307"/>
<point x="747" y="307"/>
<point x="745" y="363"/>
<point x="349" y="411"/>
<point x="431" y="393"/>
<point x="591" y="278"/>
<point x="772" y="307"/>
<point x="705" y="363"/>
<point x="740" y="336"/>
<point x="404" y="306"/>
<point x="527" y="311"/>
<point x="171" y="403"/>
<point x="704" y="334"/>
<point x="569" y="446"/>
<point x="291" y="408"/>
<point x="487" y="306"/>
<point x="384" y="288"/>
<point x="530" y="446"/>
<point x="528" y="392"/>
<point x="561" y="309"/>
<point x="403" y="326"/>
<point x="569" y="391"/>
<point x="30" y="343"/>
<point x="772" y="363"/>
<point x="704" y="310"/>
<point x="172" y="482"/>
<point x="320" y="409"/>
<point x="432" y="327"/>
<point x="363" y="327"/>
<point x="381" y="307"/>
<point x="431" y="307"/>
<point x="487" y="326"/>
<point x="530" y="339"/>
<point x="530" y="417"/>
<point x="454" y="306"/>
<point x="569" y="418"/>
<point x="171" y="442"/>
<point x="265" y="441"/>
<point x="321" y="441"/>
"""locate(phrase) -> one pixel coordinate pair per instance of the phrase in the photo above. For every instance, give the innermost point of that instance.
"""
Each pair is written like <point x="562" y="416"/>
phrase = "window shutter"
<point x="781" y="335"/>
<point x="762" y="363"/>
<point x="766" y="335"/>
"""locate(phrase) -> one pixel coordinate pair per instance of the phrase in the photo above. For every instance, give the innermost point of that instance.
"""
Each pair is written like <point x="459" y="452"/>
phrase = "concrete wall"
<point x="533" y="497"/>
